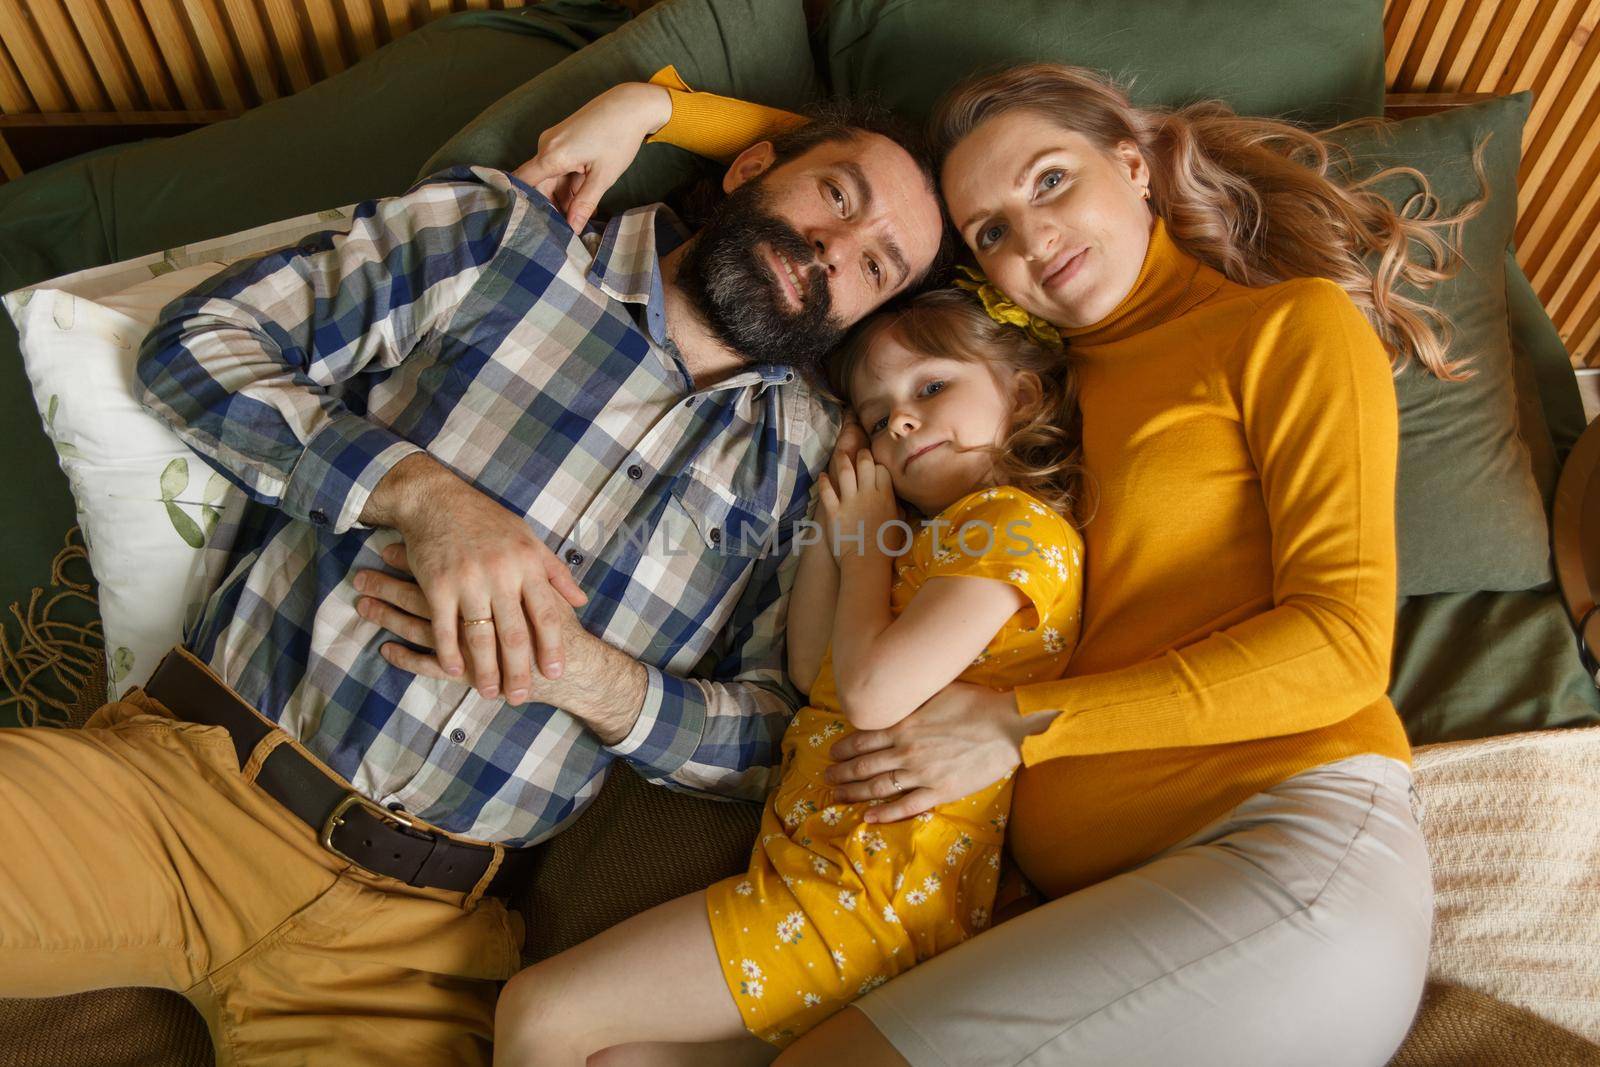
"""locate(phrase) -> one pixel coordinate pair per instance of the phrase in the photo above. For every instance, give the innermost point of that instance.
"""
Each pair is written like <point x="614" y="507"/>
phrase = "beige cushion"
<point x="1513" y="829"/>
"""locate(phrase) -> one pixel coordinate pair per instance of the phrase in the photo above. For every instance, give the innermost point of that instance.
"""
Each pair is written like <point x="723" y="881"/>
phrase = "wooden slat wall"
<point x="204" y="56"/>
<point x="1551" y="47"/>
<point x="191" y="55"/>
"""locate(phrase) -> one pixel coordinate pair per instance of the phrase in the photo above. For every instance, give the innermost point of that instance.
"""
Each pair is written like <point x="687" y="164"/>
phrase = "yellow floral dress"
<point x="833" y="906"/>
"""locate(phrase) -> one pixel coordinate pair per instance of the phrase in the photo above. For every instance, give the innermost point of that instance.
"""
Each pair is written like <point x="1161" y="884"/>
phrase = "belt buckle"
<point x="335" y="820"/>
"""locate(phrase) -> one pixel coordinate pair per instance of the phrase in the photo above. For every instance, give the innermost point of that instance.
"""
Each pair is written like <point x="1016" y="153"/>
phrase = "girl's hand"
<point x="861" y="501"/>
<point x="582" y="156"/>
<point x="965" y="738"/>
<point x="852" y="439"/>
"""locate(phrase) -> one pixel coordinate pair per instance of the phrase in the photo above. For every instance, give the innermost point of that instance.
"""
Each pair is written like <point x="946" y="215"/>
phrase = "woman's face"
<point x="1059" y="226"/>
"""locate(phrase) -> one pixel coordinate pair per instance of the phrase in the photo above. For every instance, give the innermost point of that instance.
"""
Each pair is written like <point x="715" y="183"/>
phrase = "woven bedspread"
<point x="1513" y="829"/>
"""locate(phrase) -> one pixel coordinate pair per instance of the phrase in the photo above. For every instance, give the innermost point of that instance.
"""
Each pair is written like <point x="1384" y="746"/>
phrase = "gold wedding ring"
<point x="894" y="780"/>
<point x="477" y="622"/>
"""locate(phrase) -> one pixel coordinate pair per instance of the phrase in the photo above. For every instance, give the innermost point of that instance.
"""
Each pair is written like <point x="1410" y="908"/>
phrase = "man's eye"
<point x="935" y="386"/>
<point x="877" y="271"/>
<point x="991" y="235"/>
<point x="838" y="197"/>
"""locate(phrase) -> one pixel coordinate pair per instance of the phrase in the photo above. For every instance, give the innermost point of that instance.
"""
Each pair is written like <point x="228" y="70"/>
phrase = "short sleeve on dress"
<point x="1007" y="534"/>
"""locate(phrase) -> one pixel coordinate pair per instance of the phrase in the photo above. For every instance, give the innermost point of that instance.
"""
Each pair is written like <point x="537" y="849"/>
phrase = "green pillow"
<point x="1469" y="513"/>
<point x="1537" y="338"/>
<point x="1306" y="60"/>
<point x="359" y="134"/>
<point x="1526" y="368"/>
<point x="1477" y="664"/>
<point x="752" y="49"/>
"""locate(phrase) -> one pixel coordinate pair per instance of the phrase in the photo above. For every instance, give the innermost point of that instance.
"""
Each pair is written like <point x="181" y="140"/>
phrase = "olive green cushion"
<point x="1469" y="514"/>
<point x="1528" y="366"/>
<point x="1537" y="340"/>
<point x="1472" y="665"/>
<point x="751" y="49"/>
<point x="359" y="134"/>
<point x="1307" y="60"/>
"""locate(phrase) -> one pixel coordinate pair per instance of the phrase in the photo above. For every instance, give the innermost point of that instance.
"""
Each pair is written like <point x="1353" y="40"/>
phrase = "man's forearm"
<point x="601" y="686"/>
<point x="408" y="485"/>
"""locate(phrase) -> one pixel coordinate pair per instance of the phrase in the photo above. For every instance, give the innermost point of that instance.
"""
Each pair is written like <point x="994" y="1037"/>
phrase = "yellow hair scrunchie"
<point x="1003" y="310"/>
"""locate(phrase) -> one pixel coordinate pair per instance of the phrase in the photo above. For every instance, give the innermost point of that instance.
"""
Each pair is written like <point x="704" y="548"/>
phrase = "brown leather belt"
<point x="348" y="824"/>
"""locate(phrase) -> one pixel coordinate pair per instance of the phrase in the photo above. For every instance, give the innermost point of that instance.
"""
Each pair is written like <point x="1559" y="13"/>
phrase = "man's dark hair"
<point x="845" y="119"/>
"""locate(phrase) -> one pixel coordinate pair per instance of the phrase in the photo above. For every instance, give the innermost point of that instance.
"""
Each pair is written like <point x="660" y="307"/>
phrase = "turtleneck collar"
<point x="1169" y="284"/>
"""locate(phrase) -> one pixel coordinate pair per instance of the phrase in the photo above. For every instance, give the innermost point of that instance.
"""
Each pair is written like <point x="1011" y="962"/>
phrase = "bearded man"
<point x="287" y="825"/>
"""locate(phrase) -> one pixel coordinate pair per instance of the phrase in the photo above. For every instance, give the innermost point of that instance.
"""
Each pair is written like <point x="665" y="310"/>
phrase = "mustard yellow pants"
<point x="136" y="852"/>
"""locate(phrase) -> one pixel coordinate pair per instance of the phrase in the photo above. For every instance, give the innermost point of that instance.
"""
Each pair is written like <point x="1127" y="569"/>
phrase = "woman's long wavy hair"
<point x="1259" y="200"/>
<point x="1043" y="452"/>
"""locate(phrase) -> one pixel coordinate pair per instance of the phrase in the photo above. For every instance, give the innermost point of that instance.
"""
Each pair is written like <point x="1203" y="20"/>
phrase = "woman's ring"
<point x="478" y="622"/>
<point x="894" y="780"/>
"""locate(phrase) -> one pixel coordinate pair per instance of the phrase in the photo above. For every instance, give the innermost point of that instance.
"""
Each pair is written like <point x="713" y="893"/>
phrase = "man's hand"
<point x="476" y="560"/>
<point x="603" y="687"/>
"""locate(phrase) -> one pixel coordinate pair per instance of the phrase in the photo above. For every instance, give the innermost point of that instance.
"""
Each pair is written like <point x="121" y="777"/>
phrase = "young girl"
<point x="970" y="425"/>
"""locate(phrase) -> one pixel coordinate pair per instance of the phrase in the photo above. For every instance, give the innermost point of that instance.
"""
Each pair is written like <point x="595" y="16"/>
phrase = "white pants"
<point x="1293" y="930"/>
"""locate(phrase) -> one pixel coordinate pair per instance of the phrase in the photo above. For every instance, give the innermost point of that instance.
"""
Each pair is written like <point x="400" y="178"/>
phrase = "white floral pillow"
<point x="148" y="505"/>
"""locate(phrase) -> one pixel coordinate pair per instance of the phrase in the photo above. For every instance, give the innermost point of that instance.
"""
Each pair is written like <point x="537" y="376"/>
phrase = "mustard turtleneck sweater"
<point x="1240" y="566"/>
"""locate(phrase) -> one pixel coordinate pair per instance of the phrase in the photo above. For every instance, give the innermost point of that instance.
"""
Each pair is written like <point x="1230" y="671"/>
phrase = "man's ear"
<point x="752" y="162"/>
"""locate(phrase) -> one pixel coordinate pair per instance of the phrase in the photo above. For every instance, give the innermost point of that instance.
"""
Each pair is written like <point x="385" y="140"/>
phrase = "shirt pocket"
<point x="723" y="523"/>
<point x="714" y="538"/>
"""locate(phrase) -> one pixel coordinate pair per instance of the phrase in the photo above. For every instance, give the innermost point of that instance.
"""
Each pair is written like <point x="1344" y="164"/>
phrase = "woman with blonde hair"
<point x="1215" y="798"/>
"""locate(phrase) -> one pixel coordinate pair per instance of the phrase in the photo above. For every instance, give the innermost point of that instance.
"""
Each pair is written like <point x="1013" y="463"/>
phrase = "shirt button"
<point x="458" y="735"/>
<point x="319" y="518"/>
<point x="636" y="472"/>
<point x="574" y="557"/>
<point x="690" y="402"/>
<point x="395" y="805"/>
<point x="716" y="536"/>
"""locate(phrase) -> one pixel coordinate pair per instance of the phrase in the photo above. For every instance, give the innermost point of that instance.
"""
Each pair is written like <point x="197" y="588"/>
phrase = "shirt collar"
<point x="627" y="263"/>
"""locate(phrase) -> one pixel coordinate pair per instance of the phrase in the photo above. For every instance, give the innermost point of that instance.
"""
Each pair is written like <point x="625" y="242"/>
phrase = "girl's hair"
<point x="1252" y="197"/>
<point x="1043" y="453"/>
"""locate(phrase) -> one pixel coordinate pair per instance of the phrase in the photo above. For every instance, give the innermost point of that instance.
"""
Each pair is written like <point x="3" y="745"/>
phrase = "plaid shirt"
<point x="465" y="318"/>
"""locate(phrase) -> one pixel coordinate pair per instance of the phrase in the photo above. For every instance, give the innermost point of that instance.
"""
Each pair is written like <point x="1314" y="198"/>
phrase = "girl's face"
<point x="921" y="412"/>
<point x="1061" y="228"/>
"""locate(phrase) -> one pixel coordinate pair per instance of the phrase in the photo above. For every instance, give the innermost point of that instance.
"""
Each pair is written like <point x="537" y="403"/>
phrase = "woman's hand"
<point x="965" y="738"/>
<point x="582" y="156"/>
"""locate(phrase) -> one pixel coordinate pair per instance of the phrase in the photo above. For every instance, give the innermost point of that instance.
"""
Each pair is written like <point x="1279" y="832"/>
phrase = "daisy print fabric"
<point x="833" y="906"/>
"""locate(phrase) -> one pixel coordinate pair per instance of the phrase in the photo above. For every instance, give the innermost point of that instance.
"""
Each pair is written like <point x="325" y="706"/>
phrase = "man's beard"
<point x="730" y="282"/>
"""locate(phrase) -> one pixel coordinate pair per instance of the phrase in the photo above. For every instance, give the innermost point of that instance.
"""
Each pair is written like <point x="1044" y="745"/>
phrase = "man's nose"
<point x="832" y="248"/>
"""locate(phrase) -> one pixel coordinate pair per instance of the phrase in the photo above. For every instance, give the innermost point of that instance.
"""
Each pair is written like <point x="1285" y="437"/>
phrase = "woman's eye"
<point x="936" y="386"/>
<point x="1052" y="178"/>
<point x="989" y="236"/>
